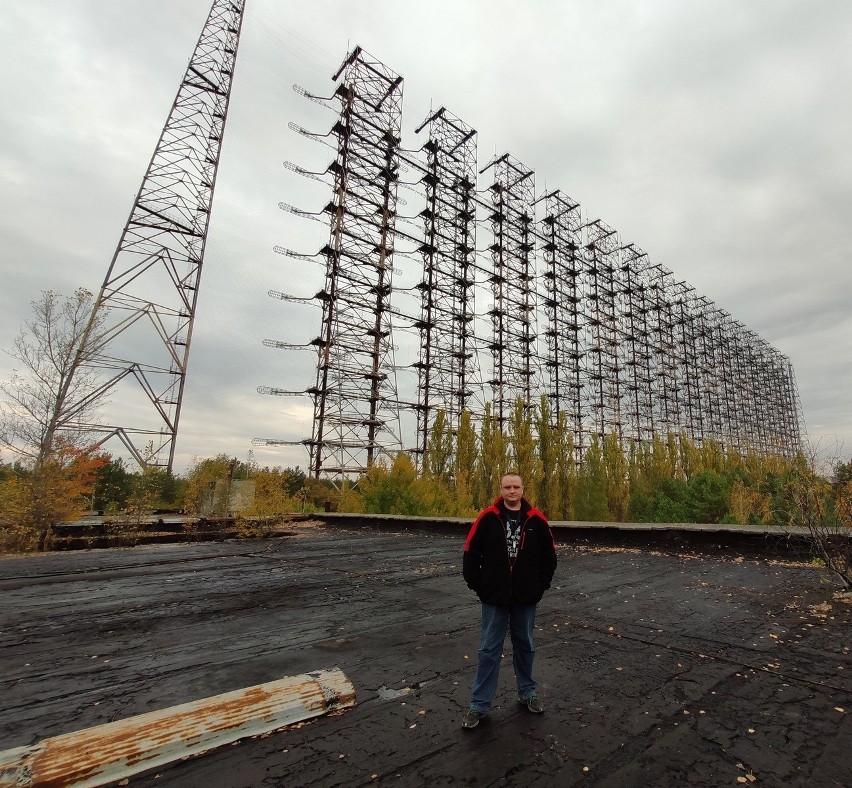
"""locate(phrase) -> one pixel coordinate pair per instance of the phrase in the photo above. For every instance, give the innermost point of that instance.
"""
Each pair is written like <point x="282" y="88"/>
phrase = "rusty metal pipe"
<point x="106" y="753"/>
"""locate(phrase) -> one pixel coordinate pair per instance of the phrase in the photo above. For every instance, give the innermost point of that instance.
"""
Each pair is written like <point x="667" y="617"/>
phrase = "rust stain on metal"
<point x="110" y="752"/>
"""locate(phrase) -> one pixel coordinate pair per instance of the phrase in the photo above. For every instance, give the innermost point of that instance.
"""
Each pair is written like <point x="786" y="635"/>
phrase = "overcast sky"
<point x="713" y="135"/>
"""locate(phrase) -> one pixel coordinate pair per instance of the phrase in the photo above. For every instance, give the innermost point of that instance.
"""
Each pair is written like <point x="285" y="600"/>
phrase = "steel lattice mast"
<point x="150" y="293"/>
<point x="561" y="234"/>
<point x="446" y="340"/>
<point x="514" y="361"/>
<point x="356" y="413"/>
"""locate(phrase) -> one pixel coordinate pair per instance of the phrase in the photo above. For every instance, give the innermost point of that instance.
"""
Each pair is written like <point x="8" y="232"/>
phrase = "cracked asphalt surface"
<point x="657" y="667"/>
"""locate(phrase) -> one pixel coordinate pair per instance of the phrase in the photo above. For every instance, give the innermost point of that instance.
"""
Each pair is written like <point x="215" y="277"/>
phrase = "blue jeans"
<point x="520" y="620"/>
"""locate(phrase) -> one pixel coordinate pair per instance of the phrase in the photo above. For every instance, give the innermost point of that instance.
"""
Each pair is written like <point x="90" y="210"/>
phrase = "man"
<point x="509" y="560"/>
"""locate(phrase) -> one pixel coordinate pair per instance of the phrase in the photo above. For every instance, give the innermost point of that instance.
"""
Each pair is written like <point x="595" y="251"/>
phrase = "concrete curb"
<point x="106" y="753"/>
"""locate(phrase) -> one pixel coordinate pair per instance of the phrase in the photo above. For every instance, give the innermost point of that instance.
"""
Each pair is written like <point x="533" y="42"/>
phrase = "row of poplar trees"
<point x="669" y="479"/>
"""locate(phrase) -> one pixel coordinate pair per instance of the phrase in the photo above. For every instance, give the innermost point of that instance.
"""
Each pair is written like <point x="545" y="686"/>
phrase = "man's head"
<point x="512" y="490"/>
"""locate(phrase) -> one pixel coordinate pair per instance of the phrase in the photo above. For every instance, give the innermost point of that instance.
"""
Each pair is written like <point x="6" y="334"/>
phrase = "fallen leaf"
<point x="839" y="708"/>
<point x="741" y="779"/>
<point x="585" y="768"/>
<point x="751" y="730"/>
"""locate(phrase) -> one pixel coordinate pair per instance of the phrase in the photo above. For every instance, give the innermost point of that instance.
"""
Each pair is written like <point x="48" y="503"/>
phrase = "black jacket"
<point x="486" y="565"/>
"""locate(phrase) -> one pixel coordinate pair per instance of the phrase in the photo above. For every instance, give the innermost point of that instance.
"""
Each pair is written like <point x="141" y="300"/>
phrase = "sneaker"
<point x="533" y="704"/>
<point x="471" y="718"/>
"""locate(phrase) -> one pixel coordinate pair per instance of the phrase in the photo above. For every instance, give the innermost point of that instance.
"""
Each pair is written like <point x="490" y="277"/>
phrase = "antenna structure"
<point x="146" y="306"/>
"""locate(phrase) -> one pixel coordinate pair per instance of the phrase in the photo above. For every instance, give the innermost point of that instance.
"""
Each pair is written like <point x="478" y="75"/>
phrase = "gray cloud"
<point x="712" y="135"/>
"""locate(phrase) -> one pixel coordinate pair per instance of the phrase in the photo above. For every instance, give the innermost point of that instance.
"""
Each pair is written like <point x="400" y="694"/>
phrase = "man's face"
<point x="512" y="489"/>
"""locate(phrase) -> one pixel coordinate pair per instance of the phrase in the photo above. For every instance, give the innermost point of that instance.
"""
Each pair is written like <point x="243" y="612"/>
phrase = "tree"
<point x="437" y="460"/>
<point x="53" y="392"/>
<point x="842" y="474"/>
<point x="492" y="459"/>
<point x="812" y="503"/>
<point x="617" y="479"/>
<point x="590" y="503"/>
<point x="56" y="490"/>
<point x="112" y="486"/>
<point x="547" y="495"/>
<point x="661" y="464"/>
<point x="711" y="496"/>
<point x="208" y="486"/>
<point x="395" y="489"/>
<point x="749" y="505"/>
<point x="566" y="469"/>
<point x="49" y="396"/>
<point x="523" y="447"/>
<point x="689" y="456"/>
<point x="466" y="452"/>
<point x="271" y="493"/>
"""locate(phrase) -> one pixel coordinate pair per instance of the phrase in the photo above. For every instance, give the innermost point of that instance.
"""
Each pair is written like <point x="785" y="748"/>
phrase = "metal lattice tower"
<point x="514" y="360"/>
<point x="636" y="344"/>
<point x="687" y="352"/>
<point x="626" y="347"/>
<point x="709" y="384"/>
<point x="561" y="230"/>
<point x="603" y="313"/>
<point x="150" y="292"/>
<point x="447" y="304"/>
<point x="356" y="412"/>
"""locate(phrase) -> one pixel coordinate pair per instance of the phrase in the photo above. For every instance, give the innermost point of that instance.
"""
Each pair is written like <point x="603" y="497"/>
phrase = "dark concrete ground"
<point x="658" y="667"/>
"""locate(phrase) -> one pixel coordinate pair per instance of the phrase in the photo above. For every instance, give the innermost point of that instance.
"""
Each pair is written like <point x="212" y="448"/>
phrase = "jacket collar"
<point x="500" y="507"/>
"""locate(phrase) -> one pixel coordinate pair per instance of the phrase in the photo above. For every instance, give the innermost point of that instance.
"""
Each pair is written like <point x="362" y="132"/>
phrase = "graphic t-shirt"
<point x="513" y="532"/>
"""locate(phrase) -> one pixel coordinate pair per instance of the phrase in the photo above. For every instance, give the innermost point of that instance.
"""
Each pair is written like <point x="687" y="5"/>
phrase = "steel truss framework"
<point x="561" y="229"/>
<point x="512" y="280"/>
<point x="355" y="402"/>
<point x="615" y="342"/>
<point x="146" y="306"/>
<point x="448" y="248"/>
